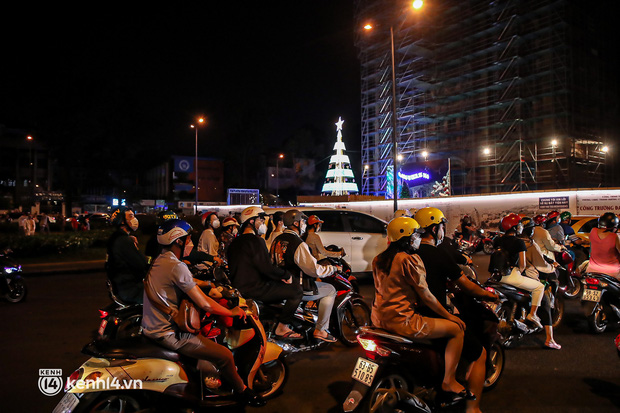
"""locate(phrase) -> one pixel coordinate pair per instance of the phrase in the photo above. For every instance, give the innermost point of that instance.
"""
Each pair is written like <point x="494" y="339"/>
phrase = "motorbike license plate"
<point x="591" y="295"/>
<point x="102" y="327"/>
<point x="67" y="403"/>
<point x="364" y="371"/>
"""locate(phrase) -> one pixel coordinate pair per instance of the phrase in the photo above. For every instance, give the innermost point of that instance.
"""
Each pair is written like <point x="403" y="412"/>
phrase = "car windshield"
<point x="587" y="227"/>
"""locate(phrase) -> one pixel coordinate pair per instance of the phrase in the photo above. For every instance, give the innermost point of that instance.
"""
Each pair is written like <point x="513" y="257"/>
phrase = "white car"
<point x="363" y="236"/>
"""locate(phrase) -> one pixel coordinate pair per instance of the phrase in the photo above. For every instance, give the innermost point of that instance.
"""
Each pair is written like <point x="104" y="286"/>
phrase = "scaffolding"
<point x="501" y="88"/>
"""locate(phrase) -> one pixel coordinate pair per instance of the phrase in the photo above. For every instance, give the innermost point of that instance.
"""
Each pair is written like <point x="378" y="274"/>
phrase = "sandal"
<point x="327" y="338"/>
<point x="291" y="335"/>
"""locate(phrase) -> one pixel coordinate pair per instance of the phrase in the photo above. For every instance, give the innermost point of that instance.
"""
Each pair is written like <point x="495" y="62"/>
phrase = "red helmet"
<point x="552" y="214"/>
<point x="540" y="219"/>
<point x="229" y="221"/>
<point x="313" y="219"/>
<point x="509" y="222"/>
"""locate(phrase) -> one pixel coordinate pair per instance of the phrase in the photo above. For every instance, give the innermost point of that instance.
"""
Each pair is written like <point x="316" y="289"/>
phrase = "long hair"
<point x="385" y="259"/>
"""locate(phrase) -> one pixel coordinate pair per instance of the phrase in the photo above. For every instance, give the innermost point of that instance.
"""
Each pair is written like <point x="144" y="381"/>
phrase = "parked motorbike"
<point x="12" y="285"/>
<point x="514" y="306"/>
<point x="135" y="374"/>
<point x="399" y="374"/>
<point x="600" y="301"/>
<point x="479" y="241"/>
<point x="569" y="278"/>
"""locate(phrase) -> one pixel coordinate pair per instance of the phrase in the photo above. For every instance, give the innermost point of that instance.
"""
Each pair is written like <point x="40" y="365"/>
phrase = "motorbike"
<point x="119" y="320"/>
<point x="600" y="301"/>
<point x="398" y="374"/>
<point x="479" y="241"/>
<point x="12" y="285"/>
<point x="349" y="313"/>
<point x="514" y="306"/>
<point x="136" y="373"/>
<point x="569" y="277"/>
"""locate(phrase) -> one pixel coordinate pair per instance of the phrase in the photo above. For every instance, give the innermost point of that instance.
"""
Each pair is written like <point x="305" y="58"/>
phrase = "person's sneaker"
<point x="534" y="319"/>
<point x="252" y="399"/>
<point x="553" y="345"/>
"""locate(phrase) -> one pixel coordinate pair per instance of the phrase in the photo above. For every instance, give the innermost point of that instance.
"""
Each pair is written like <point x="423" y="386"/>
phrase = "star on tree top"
<point x="339" y="124"/>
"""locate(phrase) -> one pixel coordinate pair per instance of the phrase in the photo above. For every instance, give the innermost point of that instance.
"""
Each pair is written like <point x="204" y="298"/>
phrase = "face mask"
<point x="440" y="235"/>
<point x="302" y="227"/>
<point x="416" y="240"/>
<point x="262" y="230"/>
<point x="133" y="223"/>
<point x="216" y="224"/>
<point x="189" y="246"/>
<point x="235" y="231"/>
<point x="318" y="229"/>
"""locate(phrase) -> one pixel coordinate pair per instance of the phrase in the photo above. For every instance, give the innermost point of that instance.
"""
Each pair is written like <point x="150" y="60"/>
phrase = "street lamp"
<point x="281" y="156"/>
<point x="199" y="121"/>
<point x="30" y="139"/>
<point x="425" y="155"/>
<point x="417" y="4"/>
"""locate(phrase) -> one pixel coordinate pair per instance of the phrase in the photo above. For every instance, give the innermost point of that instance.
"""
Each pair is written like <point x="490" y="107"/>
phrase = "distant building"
<point x="518" y="94"/>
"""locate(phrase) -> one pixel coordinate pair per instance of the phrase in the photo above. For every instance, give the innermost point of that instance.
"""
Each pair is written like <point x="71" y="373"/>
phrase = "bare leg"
<point x="475" y="382"/>
<point x="450" y="330"/>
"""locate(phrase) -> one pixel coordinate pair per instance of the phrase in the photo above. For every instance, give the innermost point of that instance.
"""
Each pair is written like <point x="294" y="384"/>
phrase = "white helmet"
<point x="172" y="230"/>
<point x="402" y="213"/>
<point x="251" y="212"/>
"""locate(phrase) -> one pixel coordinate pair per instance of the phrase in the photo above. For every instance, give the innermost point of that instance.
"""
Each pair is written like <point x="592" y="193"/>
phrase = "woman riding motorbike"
<point x="605" y="246"/>
<point x="314" y="242"/>
<point x="400" y="284"/>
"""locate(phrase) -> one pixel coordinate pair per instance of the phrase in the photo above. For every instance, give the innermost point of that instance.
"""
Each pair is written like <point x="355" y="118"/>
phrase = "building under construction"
<point x="517" y="94"/>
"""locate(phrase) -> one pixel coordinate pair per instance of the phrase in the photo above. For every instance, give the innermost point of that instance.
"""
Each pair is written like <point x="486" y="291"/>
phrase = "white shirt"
<point x="209" y="243"/>
<point x="307" y="263"/>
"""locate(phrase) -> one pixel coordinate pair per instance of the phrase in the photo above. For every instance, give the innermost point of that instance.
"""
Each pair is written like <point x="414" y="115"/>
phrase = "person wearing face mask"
<point x="277" y="227"/>
<point x="254" y="275"/>
<point x="442" y="269"/>
<point x="125" y="265"/>
<point x="314" y="242"/>
<point x="289" y="251"/>
<point x="208" y="241"/>
<point x="230" y="231"/>
<point x="168" y="281"/>
<point x="512" y="227"/>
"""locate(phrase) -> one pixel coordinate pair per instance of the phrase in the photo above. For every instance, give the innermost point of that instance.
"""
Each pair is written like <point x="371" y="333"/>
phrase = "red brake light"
<point x="75" y="376"/>
<point x="368" y="345"/>
<point x="490" y="289"/>
<point x="591" y="280"/>
<point x="103" y="314"/>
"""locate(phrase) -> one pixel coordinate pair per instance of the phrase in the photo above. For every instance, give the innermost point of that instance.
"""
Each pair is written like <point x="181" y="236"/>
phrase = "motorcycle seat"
<point x="394" y="337"/>
<point x="499" y="285"/>
<point x="136" y="348"/>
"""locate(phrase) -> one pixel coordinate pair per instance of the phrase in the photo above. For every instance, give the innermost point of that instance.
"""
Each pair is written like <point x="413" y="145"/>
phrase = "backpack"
<point x="499" y="263"/>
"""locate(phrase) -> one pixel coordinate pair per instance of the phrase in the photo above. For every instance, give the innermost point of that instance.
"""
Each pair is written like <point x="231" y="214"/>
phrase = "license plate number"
<point x="102" y="327"/>
<point x="67" y="403"/>
<point x="591" y="295"/>
<point x="365" y="371"/>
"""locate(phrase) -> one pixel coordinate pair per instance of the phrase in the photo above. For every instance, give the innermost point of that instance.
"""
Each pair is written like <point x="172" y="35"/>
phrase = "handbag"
<point x="187" y="317"/>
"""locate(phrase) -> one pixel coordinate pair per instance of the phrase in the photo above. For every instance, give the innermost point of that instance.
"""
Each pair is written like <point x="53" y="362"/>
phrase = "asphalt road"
<point x="60" y="316"/>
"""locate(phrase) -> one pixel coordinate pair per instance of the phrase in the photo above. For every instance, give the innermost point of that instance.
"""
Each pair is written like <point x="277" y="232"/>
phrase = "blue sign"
<point x="414" y="176"/>
<point x="556" y="202"/>
<point x="183" y="164"/>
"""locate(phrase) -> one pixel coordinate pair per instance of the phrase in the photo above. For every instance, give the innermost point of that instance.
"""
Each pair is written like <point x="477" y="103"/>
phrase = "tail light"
<point x="103" y="314"/>
<point x="591" y="280"/>
<point x="490" y="289"/>
<point x="373" y="347"/>
<point x="75" y="376"/>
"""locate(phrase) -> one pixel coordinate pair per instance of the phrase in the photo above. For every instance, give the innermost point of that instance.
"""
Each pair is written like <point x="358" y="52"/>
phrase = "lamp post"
<point x="554" y="144"/>
<point x="281" y="156"/>
<point x="417" y="4"/>
<point x="30" y="139"/>
<point x="199" y="121"/>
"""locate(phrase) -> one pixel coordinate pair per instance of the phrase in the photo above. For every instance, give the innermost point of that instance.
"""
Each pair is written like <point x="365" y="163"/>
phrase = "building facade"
<point x="517" y="94"/>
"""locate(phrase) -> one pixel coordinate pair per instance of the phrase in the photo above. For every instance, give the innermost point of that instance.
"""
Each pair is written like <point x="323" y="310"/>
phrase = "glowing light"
<point x="281" y="156"/>
<point x="365" y="166"/>
<point x="605" y="149"/>
<point x="339" y="124"/>
<point x="368" y="27"/>
<point x="417" y="4"/>
<point x="554" y="142"/>
<point x="425" y="154"/>
<point x="400" y="157"/>
<point x="412" y="177"/>
<point x="487" y="151"/>
<point x="201" y="120"/>
<point x="29" y="137"/>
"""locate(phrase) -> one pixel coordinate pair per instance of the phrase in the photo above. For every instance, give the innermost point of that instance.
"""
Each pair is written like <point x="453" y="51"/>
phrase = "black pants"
<point x="275" y="292"/>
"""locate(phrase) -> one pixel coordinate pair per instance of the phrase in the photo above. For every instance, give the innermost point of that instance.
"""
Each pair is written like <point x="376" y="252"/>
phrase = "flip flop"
<point x="290" y="335"/>
<point x="328" y="338"/>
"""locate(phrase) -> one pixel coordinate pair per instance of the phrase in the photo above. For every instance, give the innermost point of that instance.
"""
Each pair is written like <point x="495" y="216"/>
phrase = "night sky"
<point x="108" y="79"/>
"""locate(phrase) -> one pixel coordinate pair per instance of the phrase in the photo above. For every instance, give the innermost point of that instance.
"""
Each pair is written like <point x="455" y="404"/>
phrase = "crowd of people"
<point x="281" y="259"/>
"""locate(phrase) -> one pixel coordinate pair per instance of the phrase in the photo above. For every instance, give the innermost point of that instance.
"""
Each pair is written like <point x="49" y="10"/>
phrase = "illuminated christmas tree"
<point x="339" y="179"/>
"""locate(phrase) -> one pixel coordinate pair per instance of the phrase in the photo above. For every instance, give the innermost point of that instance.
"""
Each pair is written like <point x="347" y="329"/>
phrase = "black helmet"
<point x="293" y="215"/>
<point x="118" y="216"/>
<point x="164" y="216"/>
<point x="608" y="221"/>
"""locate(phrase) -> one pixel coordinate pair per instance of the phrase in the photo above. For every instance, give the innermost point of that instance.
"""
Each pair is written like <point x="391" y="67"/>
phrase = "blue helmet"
<point x="172" y="230"/>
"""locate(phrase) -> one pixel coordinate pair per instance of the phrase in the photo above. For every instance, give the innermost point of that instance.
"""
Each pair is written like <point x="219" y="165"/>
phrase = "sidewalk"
<point x="63" y="267"/>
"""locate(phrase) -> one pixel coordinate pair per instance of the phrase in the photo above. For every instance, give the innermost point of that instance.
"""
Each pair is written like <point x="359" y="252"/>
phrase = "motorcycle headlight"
<point x="10" y="270"/>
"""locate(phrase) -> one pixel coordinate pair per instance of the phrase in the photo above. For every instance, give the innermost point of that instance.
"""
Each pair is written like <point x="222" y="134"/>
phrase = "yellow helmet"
<point x="429" y="216"/>
<point x="402" y="213"/>
<point x="401" y="227"/>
